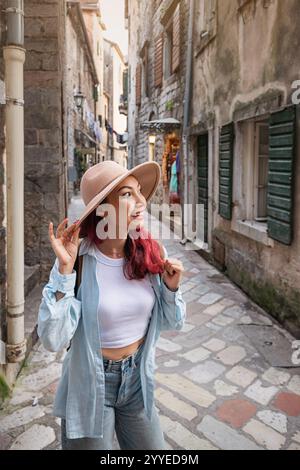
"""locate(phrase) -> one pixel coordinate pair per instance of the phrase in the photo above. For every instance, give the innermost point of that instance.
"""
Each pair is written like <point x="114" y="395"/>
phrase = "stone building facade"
<point x="55" y="33"/>
<point x="116" y="122"/>
<point x="243" y="162"/>
<point x="59" y="64"/>
<point x="82" y="77"/>
<point x="156" y="76"/>
<point x="243" y="146"/>
<point x="45" y="153"/>
<point x="95" y="29"/>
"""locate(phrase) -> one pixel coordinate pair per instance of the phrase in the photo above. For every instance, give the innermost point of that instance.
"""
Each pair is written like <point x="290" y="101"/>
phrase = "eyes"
<point x="129" y="192"/>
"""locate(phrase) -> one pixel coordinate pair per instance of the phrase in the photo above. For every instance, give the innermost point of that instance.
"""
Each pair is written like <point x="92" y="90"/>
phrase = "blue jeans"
<point x="124" y="411"/>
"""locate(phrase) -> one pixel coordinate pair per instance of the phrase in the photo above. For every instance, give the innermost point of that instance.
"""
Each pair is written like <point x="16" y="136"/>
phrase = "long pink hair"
<point x="142" y="255"/>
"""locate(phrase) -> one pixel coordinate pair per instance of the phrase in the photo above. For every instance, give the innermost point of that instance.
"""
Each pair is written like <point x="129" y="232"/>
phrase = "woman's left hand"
<point x="173" y="273"/>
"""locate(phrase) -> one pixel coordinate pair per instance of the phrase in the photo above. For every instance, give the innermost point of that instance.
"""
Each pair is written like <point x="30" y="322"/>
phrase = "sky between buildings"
<point x="113" y="18"/>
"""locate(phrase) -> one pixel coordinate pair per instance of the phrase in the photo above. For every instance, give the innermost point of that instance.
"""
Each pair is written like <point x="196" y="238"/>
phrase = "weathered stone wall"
<point x="77" y="75"/>
<point x="252" y="59"/>
<point x="144" y="24"/>
<point x="45" y="162"/>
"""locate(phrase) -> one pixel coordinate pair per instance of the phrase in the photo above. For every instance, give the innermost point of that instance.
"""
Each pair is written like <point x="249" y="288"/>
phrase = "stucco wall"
<point x="249" y="67"/>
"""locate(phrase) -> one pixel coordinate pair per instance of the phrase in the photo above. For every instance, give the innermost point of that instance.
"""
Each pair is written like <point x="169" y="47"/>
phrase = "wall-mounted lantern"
<point x="79" y="98"/>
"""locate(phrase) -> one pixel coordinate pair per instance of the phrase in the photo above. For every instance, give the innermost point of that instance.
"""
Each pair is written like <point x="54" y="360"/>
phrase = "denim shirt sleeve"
<point x="173" y="307"/>
<point x="58" y="320"/>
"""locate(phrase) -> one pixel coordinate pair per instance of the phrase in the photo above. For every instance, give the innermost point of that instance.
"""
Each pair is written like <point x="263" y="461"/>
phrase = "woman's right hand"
<point x="65" y="245"/>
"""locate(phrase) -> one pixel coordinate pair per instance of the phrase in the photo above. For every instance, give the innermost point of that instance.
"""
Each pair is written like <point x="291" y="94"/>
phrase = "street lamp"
<point x="79" y="98"/>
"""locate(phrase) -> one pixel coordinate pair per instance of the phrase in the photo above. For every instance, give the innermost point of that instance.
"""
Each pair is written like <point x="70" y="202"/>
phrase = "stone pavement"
<point x="226" y="381"/>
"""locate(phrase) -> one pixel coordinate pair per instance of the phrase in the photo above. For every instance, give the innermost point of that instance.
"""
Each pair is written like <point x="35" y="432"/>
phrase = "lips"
<point x="137" y="215"/>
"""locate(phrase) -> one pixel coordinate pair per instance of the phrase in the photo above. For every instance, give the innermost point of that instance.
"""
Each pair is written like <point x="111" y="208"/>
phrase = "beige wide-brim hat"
<point x="101" y="179"/>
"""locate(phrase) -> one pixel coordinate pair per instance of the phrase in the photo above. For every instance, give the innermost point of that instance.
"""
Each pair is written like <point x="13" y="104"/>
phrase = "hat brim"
<point x="148" y="175"/>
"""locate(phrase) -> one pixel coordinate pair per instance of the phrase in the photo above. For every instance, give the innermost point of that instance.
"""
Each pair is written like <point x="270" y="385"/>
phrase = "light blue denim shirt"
<point x="80" y="394"/>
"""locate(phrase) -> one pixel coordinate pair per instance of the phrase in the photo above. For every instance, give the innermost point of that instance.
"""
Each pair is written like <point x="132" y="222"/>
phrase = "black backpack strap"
<point x="78" y="269"/>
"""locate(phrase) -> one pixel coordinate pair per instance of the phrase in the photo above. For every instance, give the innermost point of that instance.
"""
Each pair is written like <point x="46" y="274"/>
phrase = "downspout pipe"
<point x="186" y="123"/>
<point x="14" y="58"/>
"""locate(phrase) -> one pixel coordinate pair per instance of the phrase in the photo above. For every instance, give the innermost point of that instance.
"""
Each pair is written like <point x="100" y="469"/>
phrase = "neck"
<point x="113" y="246"/>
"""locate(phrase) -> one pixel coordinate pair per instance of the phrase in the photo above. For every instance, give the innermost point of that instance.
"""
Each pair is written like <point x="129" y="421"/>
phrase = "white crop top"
<point x="125" y="306"/>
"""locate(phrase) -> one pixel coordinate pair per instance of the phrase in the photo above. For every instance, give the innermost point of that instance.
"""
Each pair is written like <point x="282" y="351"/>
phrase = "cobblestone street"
<point x="225" y="381"/>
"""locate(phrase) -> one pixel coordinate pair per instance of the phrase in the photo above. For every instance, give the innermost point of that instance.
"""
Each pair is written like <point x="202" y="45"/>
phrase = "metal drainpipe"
<point x="14" y="58"/>
<point x="186" y="121"/>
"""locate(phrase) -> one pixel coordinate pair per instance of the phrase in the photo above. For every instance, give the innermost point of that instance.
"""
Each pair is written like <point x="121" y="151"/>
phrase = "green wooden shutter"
<point x="226" y="170"/>
<point x="282" y="132"/>
<point x="125" y="85"/>
<point x="203" y="178"/>
<point x="95" y="93"/>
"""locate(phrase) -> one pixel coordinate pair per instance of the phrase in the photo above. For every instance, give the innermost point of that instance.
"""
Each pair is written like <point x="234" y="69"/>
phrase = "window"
<point x="145" y="88"/>
<point x="250" y="179"/>
<point x="125" y="85"/>
<point x="171" y="21"/>
<point x="176" y="39"/>
<point x="255" y="159"/>
<point x="207" y="26"/>
<point x="261" y="170"/>
<point x="158" y="68"/>
<point x="144" y="54"/>
<point x="263" y="177"/>
<point x="138" y="84"/>
<point x="168" y="51"/>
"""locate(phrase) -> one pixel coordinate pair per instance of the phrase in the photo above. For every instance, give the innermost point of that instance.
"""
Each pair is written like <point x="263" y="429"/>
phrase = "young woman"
<point x="128" y="294"/>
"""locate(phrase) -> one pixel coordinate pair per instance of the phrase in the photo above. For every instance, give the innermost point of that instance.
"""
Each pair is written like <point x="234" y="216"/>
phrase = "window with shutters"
<point x="125" y="85"/>
<point x="172" y="44"/>
<point x="263" y="185"/>
<point x="226" y="146"/>
<point x="158" y="67"/>
<point x="254" y="169"/>
<point x="176" y="39"/>
<point x="168" y="52"/>
<point x="138" y="84"/>
<point x="206" y="13"/>
<point x="144" y="55"/>
<point x="170" y="18"/>
<point x="250" y="180"/>
<point x="145" y="78"/>
<point x="281" y="177"/>
<point x="261" y="164"/>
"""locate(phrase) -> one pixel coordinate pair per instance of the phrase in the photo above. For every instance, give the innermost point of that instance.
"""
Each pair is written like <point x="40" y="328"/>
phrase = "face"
<point x="129" y="205"/>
